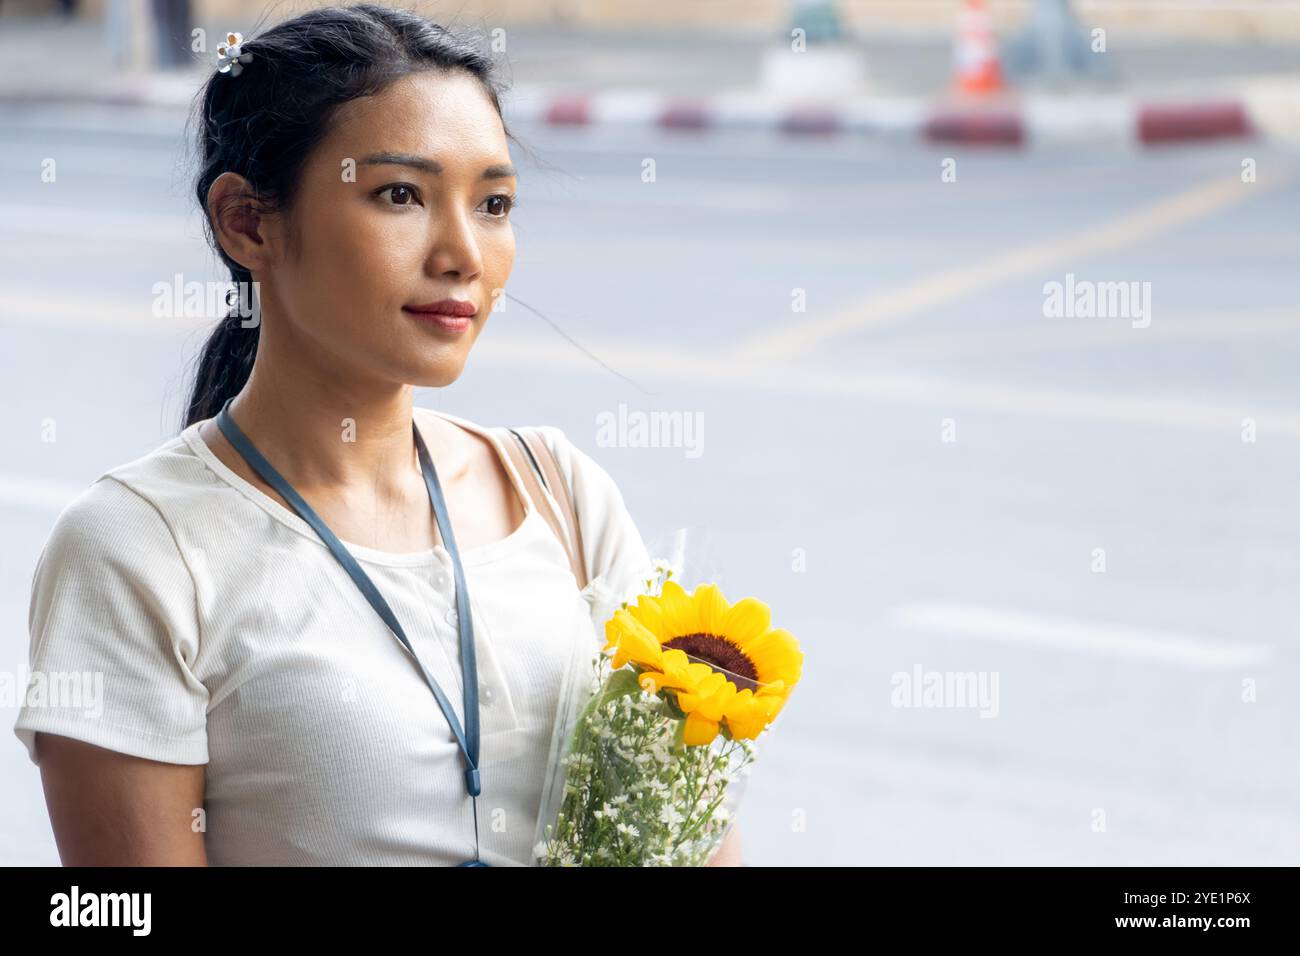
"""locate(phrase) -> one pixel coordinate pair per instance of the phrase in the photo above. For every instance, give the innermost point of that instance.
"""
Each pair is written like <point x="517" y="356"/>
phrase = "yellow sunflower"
<point x="723" y="662"/>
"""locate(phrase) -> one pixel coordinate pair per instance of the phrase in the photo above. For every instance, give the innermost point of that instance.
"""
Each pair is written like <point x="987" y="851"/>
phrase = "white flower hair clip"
<point x="230" y="55"/>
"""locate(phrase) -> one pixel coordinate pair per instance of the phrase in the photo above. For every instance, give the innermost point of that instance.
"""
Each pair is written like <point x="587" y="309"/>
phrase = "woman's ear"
<point x="244" y="231"/>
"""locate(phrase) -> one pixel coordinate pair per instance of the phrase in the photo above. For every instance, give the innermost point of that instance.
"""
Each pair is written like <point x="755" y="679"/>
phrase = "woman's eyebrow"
<point x="497" y="171"/>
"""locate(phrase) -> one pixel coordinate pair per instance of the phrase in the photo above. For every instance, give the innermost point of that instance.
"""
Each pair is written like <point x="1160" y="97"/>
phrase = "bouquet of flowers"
<point x="655" y="732"/>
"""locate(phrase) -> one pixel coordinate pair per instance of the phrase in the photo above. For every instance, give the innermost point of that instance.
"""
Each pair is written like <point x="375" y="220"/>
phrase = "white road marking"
<point x="637" y="359"/>
<point x="81" y="222"/>
<point x="30" y="492"/>
<point x="1055" y="633"/>
<point x="77" y="310"/>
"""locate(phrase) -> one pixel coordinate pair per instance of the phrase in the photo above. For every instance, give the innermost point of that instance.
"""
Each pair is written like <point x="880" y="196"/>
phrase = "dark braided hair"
<point x="264" y="124"/>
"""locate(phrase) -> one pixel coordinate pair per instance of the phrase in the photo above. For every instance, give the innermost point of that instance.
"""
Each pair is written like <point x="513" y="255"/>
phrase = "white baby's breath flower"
<point x="670" y="815"/>
<point x="664" y="569"/>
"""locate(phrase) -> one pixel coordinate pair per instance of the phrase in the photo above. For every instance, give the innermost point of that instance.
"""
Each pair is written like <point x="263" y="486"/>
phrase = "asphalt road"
<point x="922" y="470"/>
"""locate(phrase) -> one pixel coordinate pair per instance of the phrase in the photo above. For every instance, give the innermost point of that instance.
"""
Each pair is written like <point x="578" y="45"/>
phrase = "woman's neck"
<point x="328" y="436"/>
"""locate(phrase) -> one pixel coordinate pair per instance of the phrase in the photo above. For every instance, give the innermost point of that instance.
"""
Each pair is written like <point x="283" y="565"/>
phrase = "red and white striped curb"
<point x="1025" y="122"/>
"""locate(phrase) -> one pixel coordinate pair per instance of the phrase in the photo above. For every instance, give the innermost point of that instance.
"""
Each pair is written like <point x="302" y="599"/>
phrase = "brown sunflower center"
<point x="721" y="654"/>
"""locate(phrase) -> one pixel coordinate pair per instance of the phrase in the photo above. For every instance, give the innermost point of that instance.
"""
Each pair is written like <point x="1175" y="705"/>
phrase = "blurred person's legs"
<point x="172" y="28"/>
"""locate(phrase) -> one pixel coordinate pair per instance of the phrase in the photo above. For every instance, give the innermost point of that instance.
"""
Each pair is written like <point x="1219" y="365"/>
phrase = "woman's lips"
<point x="451" y="315"/>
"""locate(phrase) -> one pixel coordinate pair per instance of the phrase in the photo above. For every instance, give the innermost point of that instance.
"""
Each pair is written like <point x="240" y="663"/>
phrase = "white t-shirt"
<point x="227" y="634"/>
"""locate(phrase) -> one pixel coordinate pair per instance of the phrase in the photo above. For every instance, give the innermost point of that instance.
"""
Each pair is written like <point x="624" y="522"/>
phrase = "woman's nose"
<point x="454" y="247"/>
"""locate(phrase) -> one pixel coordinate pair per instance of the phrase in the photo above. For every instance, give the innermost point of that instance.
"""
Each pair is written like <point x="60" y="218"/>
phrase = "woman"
<point x="257" y="706"/>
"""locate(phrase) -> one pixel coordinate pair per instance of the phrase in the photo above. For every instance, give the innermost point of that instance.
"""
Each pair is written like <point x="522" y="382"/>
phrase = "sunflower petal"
<point x="677" y="667"/>
<point x="716" y="703"/>
<point x="675" y="674"/>
<point x="771" y="706"/>
<point x="632" y="641"/>
<point x="711" y="609"/>
<point x="712" y="683"/>
<point x="777" y="656"/>
<point x="652" y="682"/>
<point x="650" y="613"/>
<point x="746" y="621"/>
<point x="746" y="719"/>
<point x="679" y="611"/>
<point x="699" y="730"/>
<point x="699" y="670"/>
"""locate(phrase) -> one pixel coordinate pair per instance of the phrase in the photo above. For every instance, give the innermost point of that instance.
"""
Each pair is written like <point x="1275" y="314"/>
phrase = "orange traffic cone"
<point x="976" y="67"/>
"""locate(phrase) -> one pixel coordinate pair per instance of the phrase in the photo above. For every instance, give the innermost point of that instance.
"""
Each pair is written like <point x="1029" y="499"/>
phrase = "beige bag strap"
<point x="533" y="460"/>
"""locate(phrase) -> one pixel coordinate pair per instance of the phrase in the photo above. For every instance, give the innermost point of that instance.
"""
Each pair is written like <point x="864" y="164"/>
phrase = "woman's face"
<point x="404" y="203"/>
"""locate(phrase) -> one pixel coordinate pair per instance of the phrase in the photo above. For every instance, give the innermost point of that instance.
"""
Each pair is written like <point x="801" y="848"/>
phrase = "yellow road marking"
<point x="804" y="333"/>
<point x="1237" y="325"/>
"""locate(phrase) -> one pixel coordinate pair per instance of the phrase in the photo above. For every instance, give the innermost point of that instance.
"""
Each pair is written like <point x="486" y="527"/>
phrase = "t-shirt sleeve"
<point x="611" y="542"/>
<point x="114" y="633"/>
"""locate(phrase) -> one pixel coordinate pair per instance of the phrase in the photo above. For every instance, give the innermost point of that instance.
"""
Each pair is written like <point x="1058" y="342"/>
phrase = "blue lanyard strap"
<point x="468" y="740"/>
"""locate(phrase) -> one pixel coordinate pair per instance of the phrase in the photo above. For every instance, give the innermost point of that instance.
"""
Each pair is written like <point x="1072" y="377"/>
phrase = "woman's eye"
<point x="401" y="193"/>
<point x="505" y="204"/>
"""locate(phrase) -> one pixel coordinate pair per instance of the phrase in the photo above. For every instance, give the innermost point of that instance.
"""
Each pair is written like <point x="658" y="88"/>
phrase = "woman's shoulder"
<point x="556" y="440"/>
<point x="112" y="594"/>
<point x="101" y="527"/>
<point x="552" y="432"/>
<point x="612" y="543"/>
<point x="172" y="465"/>
<point x="593" y="487"/>
<point x="127" y="506"/>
